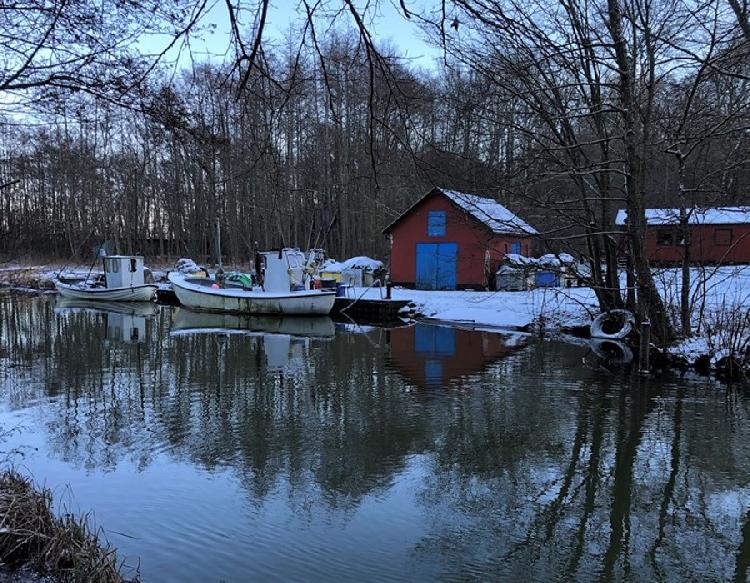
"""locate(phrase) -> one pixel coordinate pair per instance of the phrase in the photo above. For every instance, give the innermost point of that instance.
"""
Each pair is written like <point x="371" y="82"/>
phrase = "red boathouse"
<point x="717" y="235"/>
<point x="452" y="240"/>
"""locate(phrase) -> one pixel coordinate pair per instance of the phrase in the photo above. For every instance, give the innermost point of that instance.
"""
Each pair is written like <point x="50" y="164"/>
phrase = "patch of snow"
<point x="555" y="307"/>
<point x="548" y="260"/>
<point x="729" y="215"/>
<point x="690" y="348"/>
<point x="518" y="259"/>
<point x="498" y="218"/>
<point x="360" y="262"/>
<point x="186" y="266"/>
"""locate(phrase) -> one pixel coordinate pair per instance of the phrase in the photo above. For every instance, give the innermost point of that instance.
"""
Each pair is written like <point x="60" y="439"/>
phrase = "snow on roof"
<point x="727" y="215"/>
<point x="498" y="218"/>
<point x="486" y="210"/>
<point x="548" y="260"/>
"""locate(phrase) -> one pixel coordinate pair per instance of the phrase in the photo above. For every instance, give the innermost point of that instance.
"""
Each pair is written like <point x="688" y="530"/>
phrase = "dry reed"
<point x="64" y="547"/>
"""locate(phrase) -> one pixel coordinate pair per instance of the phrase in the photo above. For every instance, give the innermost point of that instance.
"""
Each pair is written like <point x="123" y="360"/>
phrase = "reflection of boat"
<point x="69" y="305"/>
<point x="126" y="322"/>
<point x="283" y="341"/>
<point x="432" y="356"/>
<point x="123" y="283"/>
<point x="282" y="291"/>
<point x="187" y="322"/>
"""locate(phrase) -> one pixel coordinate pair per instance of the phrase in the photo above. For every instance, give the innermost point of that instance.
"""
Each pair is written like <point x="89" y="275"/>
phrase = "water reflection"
<point x="431" y="356"/>
<point x="124" y="321"/>
<point x="283" y="341"/>
<point x="187" y="321"/>
<point x="225" y="465"/>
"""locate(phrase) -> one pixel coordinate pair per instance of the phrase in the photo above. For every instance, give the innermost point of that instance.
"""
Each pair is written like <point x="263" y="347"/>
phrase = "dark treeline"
<point x="301" y="156"/>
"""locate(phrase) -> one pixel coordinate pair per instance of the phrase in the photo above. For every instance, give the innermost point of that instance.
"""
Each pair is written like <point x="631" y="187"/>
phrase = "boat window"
<point x="132" y="265"/>
<point x="108" y="265"/>
<point x="115" y="266"/>
<point x="292" y="260"/>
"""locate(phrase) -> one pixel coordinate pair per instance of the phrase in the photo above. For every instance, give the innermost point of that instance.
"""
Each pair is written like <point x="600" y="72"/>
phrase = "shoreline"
<point x="558" y="312"/>
<point x="54" y="546"/>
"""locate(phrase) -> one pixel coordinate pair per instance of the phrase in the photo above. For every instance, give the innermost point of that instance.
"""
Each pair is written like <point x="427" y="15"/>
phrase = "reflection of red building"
<point x="432" y="356"/>
<point x="717" y="235"/>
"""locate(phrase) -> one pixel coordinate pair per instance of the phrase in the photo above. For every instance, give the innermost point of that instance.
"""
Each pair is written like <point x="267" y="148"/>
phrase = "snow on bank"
<point x="720" y="291"/>
<point x="720" y="298"/>
<point x="555" y="307"/>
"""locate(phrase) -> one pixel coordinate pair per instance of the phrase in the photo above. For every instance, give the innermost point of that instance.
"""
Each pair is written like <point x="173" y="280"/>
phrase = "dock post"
<point x="388" y="287"/>
<point x="644" y="364"/>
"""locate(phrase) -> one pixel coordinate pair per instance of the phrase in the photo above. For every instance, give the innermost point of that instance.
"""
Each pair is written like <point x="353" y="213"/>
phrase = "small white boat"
<point x="123" y="283"/>
<point x="282" y="291"/>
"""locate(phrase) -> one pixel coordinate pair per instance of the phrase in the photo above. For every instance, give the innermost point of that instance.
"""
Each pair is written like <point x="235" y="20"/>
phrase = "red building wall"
<point x="472" y="236"/>
<point x="709" y="244"/>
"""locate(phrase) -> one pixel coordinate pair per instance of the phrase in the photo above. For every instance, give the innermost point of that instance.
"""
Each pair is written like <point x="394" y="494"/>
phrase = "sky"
<point x="385" y="21"/>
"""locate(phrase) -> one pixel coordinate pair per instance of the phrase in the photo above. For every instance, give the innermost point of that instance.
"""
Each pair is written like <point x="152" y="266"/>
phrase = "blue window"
<point x="436" y="224"/>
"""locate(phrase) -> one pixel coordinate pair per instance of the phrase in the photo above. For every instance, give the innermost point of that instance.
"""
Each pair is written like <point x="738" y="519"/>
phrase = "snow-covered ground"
<point x="720" y="297"/>
<point x="554" y="307"/>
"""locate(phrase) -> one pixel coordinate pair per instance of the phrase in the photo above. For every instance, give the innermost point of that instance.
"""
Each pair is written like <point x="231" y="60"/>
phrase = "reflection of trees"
<point x="623" y="498"/>
<point x="211" y="399"/>
<point x="540" y="469"/>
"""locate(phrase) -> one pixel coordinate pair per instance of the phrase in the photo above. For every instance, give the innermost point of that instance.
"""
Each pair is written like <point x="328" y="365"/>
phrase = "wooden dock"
<point x="367" y="310"/>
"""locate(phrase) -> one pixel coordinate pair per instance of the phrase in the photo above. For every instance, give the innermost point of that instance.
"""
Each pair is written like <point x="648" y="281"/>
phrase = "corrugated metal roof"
<point x="728" y="215"/>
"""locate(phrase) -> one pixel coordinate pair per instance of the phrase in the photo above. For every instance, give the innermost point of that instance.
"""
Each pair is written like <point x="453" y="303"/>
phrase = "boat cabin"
<point x="123" y="270"/>
<point x="283" y="270"/>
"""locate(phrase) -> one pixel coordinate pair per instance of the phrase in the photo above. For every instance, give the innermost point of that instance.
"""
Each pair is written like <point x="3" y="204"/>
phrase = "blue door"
<point x="437" y="264"/>
<point x="515" y="247"/>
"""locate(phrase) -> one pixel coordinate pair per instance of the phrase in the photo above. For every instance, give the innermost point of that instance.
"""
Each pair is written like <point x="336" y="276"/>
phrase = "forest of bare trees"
<point x="563" y="111"/>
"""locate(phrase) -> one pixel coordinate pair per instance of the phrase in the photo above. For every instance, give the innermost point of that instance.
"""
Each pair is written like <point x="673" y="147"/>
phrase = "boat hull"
<point x="203" y="298"/>
<point x="138" y="293"/>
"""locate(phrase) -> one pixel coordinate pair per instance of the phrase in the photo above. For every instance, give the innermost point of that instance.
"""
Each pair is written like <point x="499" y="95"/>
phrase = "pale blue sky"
<point x="384" y="19"/>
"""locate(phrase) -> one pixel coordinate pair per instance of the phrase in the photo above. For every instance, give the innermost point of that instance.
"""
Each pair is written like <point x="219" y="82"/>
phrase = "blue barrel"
<point x="341" y="290"/>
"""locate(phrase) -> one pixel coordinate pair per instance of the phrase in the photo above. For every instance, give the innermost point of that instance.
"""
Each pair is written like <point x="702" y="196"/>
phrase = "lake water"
<point x="221" y="449"/>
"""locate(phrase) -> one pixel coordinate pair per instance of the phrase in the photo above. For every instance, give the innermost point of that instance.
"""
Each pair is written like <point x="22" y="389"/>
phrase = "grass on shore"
<point x="66" y="548"/>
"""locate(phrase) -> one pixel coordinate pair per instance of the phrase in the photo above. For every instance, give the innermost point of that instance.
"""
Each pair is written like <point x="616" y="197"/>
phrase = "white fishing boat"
<point x="123" y="282"/>
<point x="282" y="288"/>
